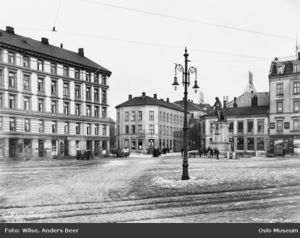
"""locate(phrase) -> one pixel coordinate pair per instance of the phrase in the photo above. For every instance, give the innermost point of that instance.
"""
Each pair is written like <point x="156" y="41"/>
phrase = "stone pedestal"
<point x="220" y="136"/>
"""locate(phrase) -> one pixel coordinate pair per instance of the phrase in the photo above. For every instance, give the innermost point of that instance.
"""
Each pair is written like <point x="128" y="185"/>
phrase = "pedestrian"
<point x="217" y="152"/>
<point x="283" y="150"/>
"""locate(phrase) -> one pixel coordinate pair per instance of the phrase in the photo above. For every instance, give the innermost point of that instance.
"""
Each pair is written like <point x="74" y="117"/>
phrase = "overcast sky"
<point x="140" y="40"/>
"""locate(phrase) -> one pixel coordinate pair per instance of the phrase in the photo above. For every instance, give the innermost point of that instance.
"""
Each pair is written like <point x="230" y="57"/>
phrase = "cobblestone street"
<point x="150" y="190"/>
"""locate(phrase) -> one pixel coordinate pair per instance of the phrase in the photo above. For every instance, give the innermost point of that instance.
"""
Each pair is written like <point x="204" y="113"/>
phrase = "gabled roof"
<point x="193" y="106"/>
<point x="241" y="111"/>
<point x="37" y="47"/>
<point x="146" y="100"/>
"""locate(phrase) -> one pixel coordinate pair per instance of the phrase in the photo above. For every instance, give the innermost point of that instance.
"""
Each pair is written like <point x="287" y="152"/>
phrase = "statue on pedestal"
<point x="218" y="112"/>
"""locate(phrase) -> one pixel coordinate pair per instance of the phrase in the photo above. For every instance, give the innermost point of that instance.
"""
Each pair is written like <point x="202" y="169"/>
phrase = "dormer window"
<point x="296" y="68"/>
<point x="280" y="69"/>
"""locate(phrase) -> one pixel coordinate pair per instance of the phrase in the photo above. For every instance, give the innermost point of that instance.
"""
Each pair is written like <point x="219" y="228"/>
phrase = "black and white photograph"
<point x="149" y="112"/>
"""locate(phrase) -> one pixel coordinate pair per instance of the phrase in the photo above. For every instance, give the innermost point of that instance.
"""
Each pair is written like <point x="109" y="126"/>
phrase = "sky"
<point x="141" y="40"/>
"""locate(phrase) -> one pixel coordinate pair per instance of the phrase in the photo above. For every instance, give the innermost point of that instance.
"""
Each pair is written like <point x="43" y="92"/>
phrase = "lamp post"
<point x="186" y="72"/>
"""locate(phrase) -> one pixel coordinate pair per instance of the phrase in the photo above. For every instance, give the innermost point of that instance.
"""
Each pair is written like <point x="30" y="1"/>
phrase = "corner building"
<point x="53" y="101"/>
<point x="145" y="122"/>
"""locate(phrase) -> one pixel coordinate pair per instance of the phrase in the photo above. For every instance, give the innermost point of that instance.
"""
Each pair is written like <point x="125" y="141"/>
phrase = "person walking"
<point x="216" y="151"/>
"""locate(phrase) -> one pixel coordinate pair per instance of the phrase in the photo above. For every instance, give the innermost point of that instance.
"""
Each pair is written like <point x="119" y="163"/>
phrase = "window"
<point x="77" y="91"/>
<point x="77" y="128"/>
<point x="133" y="116"/>
<point x="250" y="126"/>
<point x="88" y="129"/>
<point x="260" y="126"/>
<point x="41" y="105"/>
<point x="41" y="126"/>
<point x="26" y="61"/>
<point x="53" y="145"/>
<point x="89" y="110"/>
<point x="66" y="127"/>
<point x="11" y="57"/>
<point x="96" y="78"/>
<point x="26" y="82"/>
<point x="296" y="88"/>
<point x="54" y="106"/>
<point x="104" y="97"/>
<point x="103" y="79"/>
<point x="133" y="129"/>
<point x="240" y="126"/>
<point x="279" y="89"/>
<point x="12" y="124"/>
<point x="279" y="126"/>
<point x="96" y="114"/>
<point x="66" y="90"/>
<point x="66" y="108"/>
<point x="126" y="129"/>
<point x="280" y="69"/>
<point x="77" y="74"/>
<point x="53" y="87"/>
<point x="88" y="93"/>
<point x="296" y="125"/>
<point x="1" y="78"/>
<point x="260" y="144"/>
<point x="159" y="116"/>
<point x="77" y="144"/>
<point x="151" y="129"/>
<point x="104" y="112"/>
<point x="104" y="130"/>
<point x="168" y="117"/>
<point x="151" y="115"/>
<point x="77" y="109"/>
<point x="12" y="80"/>
<point x="279" y="107"/>
<point x="126" y="116"/>
<point x="96" y="95"/>
<point x="140" y="144"/>
<point x="41" y="85"/>
<point x="140" y="129"/>
<point x="164" y="116"/>
<point x="118" y="116"/>
<point x="12" y="101"/>
<point x="296" y="106"/>
<point x="27" y="125"/>
<point x="26" y="104"/>
<point x="66" y="71"/>
<point x="140" y="115"/>
<point x="54" y="126"/>
<point x="97" y="129"/>
<point x="230" y="126"/>
<point x="40" y="65"/>
<point x="240" y="143"/>
<point x="88" y="76"/>
<point x="53" y="68"/>
<point x="250" y="143"/>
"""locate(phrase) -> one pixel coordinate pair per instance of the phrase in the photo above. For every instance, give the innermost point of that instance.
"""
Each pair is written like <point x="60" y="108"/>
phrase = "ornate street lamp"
<point x="186" y="72"/>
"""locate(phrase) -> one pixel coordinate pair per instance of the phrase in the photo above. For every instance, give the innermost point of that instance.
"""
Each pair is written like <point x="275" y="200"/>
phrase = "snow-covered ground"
<point x="146" y="189"/>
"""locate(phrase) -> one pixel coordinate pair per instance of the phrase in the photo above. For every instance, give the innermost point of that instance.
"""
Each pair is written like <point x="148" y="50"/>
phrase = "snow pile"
<point x="118" y="162"/>
<point x="167" y="183"/>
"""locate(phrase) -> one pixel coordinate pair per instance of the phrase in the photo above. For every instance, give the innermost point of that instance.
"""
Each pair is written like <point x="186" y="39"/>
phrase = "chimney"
<point x="161" y="99"/>
<point x="234" y="102"/>
<point x="10" y="30"/>
<point x="143" y="94"/>
<point x="254" y="101"/>
<point x="45" y="41"/>
<point x="167" y="99"/>
<point x="129" y="96"/>
<point x="155" y="95"/>
<point x="81" y="51"/>
<point x="61" y="45"/>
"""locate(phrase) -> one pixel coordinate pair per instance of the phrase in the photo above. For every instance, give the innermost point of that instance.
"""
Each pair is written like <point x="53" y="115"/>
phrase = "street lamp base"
<point x="185" y="173"/>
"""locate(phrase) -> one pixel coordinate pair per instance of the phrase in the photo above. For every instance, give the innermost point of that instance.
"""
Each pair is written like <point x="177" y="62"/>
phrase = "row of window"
<point x="279" y="88"/>
<point x="25" y="62"/>
<point x="279" y="106"/>
<point x="139" y="129"/>
<point x="281" y="125"/>
<point x="163" y="130"/>
<point x="12" y="104"/>
<point x="260" y="144"/>
<point x="12" y="83"/>
<point x="240" y="126"/>
<point x="41" y="125"/>
<point x="163" y="117"/>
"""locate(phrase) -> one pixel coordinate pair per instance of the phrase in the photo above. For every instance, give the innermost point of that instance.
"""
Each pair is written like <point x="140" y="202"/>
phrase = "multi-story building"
<point x="52" y="101"/>
<point x="145" y="122"/>
<point x="284" y="84"/>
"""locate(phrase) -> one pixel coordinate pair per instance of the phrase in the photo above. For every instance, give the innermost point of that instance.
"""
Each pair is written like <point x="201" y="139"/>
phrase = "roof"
<point x="193" y="106"/>
<point x="244" y="100"/>
<point x="34" y="46"/>
<point x="146" y="100"/>
<point x="241" y="111"/>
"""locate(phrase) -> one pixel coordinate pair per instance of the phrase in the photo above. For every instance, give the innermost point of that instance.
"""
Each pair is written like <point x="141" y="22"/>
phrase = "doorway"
<point x="13" y="145"/>
<point x="41" y="148"/>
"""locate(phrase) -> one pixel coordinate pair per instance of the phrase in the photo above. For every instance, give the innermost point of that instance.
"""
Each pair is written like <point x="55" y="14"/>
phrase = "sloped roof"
<point x="193" y="106"/>
<point x="241" y="111"/>
<point x="34" y="46"/>
<point x="146" y="100"/>
<point x="244" y="100"/>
